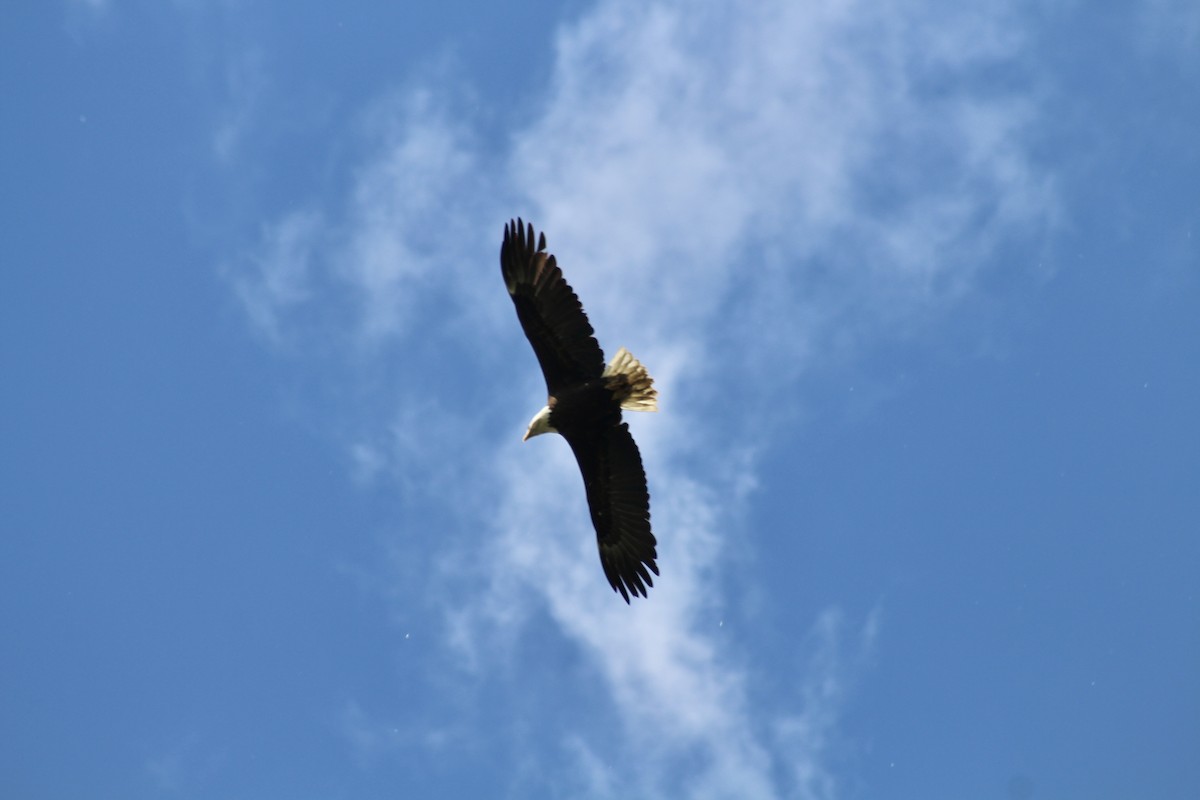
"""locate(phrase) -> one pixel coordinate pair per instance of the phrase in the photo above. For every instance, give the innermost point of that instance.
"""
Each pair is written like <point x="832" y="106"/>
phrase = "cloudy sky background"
<point x="918" y="284"/>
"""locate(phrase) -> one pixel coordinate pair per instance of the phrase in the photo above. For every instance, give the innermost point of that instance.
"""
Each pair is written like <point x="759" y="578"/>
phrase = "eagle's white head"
<point x="539" y="424"/>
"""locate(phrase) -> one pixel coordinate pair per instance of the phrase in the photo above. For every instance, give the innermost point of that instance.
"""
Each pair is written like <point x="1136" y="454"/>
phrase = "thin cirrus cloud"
<point x="835" y="169"/>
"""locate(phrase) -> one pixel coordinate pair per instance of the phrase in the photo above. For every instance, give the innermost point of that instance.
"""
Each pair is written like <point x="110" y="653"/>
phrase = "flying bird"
<point x="584" y="406"/>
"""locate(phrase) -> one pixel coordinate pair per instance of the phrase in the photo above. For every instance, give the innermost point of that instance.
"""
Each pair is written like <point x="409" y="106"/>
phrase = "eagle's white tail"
<point x="641" y="394"/>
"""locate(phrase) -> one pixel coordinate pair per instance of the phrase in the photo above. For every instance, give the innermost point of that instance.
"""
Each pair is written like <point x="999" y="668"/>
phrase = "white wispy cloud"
<point x="245" y="82"/>
<point x="735" y="191"/>
<point x="183" y="765"/>
<point x="276" y="280"/>
<point x="407" y="210"/>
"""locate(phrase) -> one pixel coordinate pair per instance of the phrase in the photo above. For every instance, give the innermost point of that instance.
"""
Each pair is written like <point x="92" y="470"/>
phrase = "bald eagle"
<point x="584" y="406"/>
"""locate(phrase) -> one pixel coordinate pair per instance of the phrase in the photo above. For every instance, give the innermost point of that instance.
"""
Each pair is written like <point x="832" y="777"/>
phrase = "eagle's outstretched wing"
<point x="549" y="311"/>
<point x="620" y="505"/>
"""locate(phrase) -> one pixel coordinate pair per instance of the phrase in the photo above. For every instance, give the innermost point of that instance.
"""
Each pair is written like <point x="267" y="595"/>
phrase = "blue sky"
<point x="919" y="286"/>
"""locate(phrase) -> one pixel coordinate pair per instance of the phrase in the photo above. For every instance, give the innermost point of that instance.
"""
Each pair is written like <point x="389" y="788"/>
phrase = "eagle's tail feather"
<point x="634" y="387"/>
